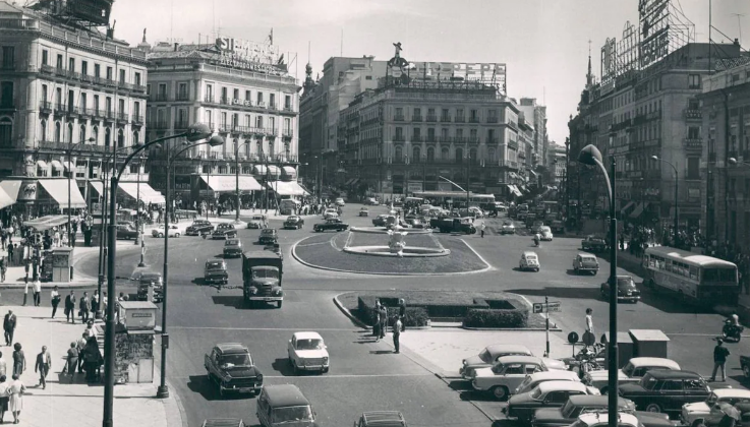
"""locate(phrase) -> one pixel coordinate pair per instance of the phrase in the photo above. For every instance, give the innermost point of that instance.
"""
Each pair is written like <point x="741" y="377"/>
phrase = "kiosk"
<point x="62" y="265"/>
<point x="650" y="342"/>
<point x="134" y="342"/>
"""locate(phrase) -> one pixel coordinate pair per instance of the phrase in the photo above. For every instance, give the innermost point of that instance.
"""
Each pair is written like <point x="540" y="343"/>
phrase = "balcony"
<point x="45" y="107"/>
<point x="287" y="134"/>
<point x="288" y="109"/>
<point x="86" y="78"/>
<point x="692" y="114"/>
<point x="160" y="97"/>
<point x="460" y="140"/>
<point x="87" y="113"/>
<point x="137" y="119"/>
<point x="445" y="119"/>
<point x="73" y="111"/>
<point x="400" y="118"/>
<point x="399" y="138"/>
<point x="270" y="132"/>
<point x="417" y="119"/>
<point x="492" y="140"/>
<point x="47" y="69"/>
<point x="209" y="99"/>
<point x="473" y="140"/>
<point x="122" y="117"/>
<point x="109" y="115"/>
<point x="692" y="144"/>
<point x="474" y="119"/>
<point x="60" y="72"/>
<point x="431" y="138"/>
<point x="416" y="138"/>
<point x="225" y="100"/>
<point x="272" y="106"/>
<point x="492" y="119"/>
<point x="158" y="125"/>
<point x="431" y="118"/>
<point x="460" y="119"/>
<point x="446" y="139"/>
<point x="513" y="145"/>
<point x="183" y="96"/>
<point x="65" y="146"/>
<point x="139" y="88"/>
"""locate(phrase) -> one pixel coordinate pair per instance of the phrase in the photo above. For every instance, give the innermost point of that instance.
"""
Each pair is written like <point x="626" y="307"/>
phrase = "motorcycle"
<point x="732" y="332"/>
<point x="537" y="242"/>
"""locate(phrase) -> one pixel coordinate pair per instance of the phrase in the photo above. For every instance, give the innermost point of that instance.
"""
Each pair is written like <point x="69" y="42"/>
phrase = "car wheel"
<point x="499" y="392"/>
<point x="176" y="234"/>
<point x="160" y="235"/>
<point x="278" y="304"/>
<point x="746" y="371"/>
<point x="295" y="369"/>
<point x="653" y="407"/>
<point x="222" y="392"/>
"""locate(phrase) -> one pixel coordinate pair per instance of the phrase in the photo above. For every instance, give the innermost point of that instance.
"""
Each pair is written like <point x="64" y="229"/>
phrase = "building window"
<point x="272" y="124"/>
<point x="108" y="106"/>
<point x="97" y="70"/>
<point x="259" y="99"/>
<point x="84" y="68"/>
<point x="417" y="113"/>
<point x="416" y="154"/>
<point x="122" y="76"/>
<point x="235" y="95"/>
<point x="136" y="138"/>
<point x="9" y="57"/>
<point x="59" y="61"/>
<point x="248" y="120"/>
<point x="272" y="100"/>
<point x="235" y="121"/>
<point x="58" y="132"/>
<point x="182" y="91"/>
<point x="162" y="95"/>
<point x="223" y="119"/>
<point x="82" y="134"/>
<point x="473" y="154"/>
<point x="459" y="155"/>
<point x="121" y="105"/>
<point x="136" y="110"/>
<point x="209" y="118"/>
<point x="137" y="79"/>
<point x="82" y="103"/>
<point x="694" y="132"/>
<point x="43" y="131"/>
<point x="430" y="154"/>
<point x="71" y="64"/>
<point x="693" y="167"/>
<point x="6" y="95"/>
<point x="69" y="136"/>
<point x="206" y="169"/>
<point x="288" y="126"/>
<point x="259" y="122"/>
<point x="107" y="137"/>
<point x="110" y="71"/>
<point x="398" y="153"/>
<point x="6" y="132"/>
<point x="45" y="57"/>
<point x="491" y="155"/>
<point x="444" y="153"/>
<point x="248" y="97"/>
<point x="95" y="135"/>
<point x="694" y="81"/>
<point x="288" y="102"/>
<point x="120" y="138"/>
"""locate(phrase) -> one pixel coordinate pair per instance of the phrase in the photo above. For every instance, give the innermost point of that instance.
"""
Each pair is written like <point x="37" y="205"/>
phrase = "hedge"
<point x="497" y="314"/>
<point x="414" y="316"/>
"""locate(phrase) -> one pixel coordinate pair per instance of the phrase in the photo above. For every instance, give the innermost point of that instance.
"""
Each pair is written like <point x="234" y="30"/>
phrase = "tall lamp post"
<point x="676" y="194"/>
<point x="194" y="133"/>
<point x="590" y="155"/>
<point x="163" y="390"/>
<point x="456" y="185"/>
<point x="69" y="153"/>
<point x="237" y="177"/>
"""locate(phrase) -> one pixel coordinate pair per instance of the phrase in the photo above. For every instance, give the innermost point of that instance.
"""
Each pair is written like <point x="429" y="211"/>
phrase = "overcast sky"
<point x="543" y="42"/>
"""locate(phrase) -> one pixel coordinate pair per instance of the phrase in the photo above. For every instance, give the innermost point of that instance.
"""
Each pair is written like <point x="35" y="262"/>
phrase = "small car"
<point x="575" y="406"/>
<point x="557" y="226"/>
<point x="339" y="202"/>
<point x="529" y="261"/>
<point x="268" y="236"/>
<point x="664" y="390"/>
<point x="294" y="222"/>
<point x="593" y="243"/>
<point x="710" y="411"/>
<point x="632" y="372"/>
<point x="489" y="356"/>
<point x="380" y="220"/>
<point x="508" y="228"/>
<point x="230" y="366"/>
<point x="307" y="352"/>
<point x="549" y="394"/>
<point x="585" y="263"/>
<point x="509" y="372"/>
<point x="537" y="225"/>
<point x="415" y="223"/>
<point x="215" y="271"/>
<point x="381" y="419"/>
<point x="334" y="224"/>
<point x="199" y="227"/>
<point x="533" y="380"/>
<point x="371" y="201"/>
<point x="147" y="280"/>
<point x="224" y="231"/>
<point x="330" y="214"/>
<point x="281" y="405"/>
<point x="257" y="222"/>
<point x="363" y="211"/>
<point x="546" y="233"/>
<point x="174" y="231"/>
<point x="126" y="232"/>
<point x="232" y="248"/>
<point x="626" y="289"/>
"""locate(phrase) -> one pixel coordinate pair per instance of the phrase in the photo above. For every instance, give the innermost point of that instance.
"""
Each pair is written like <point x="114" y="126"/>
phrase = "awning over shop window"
<point x="228" y="183"/>
<point x="46" y="222"/>
<point x="5" y="199"/>
<point x="289" y="172"/>
<point x="274" y="171"/>
<point x="41" y="164"/>
<point x="259" y="170"/>
<point x="514" y="190"/>
<point x="534" y="174"/>
<point x="627" y="207"/>
<point x="291" y="188"/>
<point x="58" y="191"/>
<point x="513" y="175"/>
<point x="355" y="181"/>
<point x="56" y="165"/>
<point x="11" y="188"/>
<point x="638" y="211"/>
<point x="98" y="187"/>
<point x="349" y="182"/>
<point x="146" y="192"/>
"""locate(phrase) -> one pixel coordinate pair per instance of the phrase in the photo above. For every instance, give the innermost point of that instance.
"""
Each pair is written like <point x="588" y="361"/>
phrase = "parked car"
<point x="330" y="213"/>
<point x="508" y="228"/>
<point x="509" y="372"/>
<point x="574" y="407"/>
<point x="586" y="262"/>
<point x="536" y="225"/>
<point x="294" y="222"/>
<point x="174" y="231"/>
<point x="533" y="380"/>
<point x="268" y="236"/>
<point x="632" y="372"/>
<point x="232" y="248"/>
<point x="594" y="243"/>
<point x="230" y="366"/>
<point x="415" y="222"/>
<point x="308" y="352"/>
<point x="626" y="289"/>
<point x="557" y="226"/>
<point x="601" y="419"/>
<point x="546" y="233"/>
<point x="381" y="419"/>
<point x="549" y="394"/>
<point x="224" y="231"/>
<point x="664" y="390"/>
<point x="529" y="261"/>
<point x="334" y="224"/>
<point x="371" y="201"/>
<point x="257" y="222"/>
<point x="339" y="202"/>
<point x="215" y="271"/>
<point x="380" y="220"/>
<point x="147" y="280"/>
<point x="489" y="356"/>
<point x="281" y="405"/>
<point x="199" y="227"/>
<point x="126" y="232"/>
<point x="363" y="211"/>
<point x="709" y="411"/>
<point x="745" y="365"/>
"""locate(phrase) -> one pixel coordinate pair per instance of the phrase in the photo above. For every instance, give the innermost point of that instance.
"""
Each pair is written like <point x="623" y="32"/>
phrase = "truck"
<point x="262" y="272"/>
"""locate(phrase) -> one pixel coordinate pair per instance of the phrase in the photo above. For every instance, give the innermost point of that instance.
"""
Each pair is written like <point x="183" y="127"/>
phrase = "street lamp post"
<point x="676" y="194"/>
<point x="590" y="155"/>
<point x="237" y="178"/>
<point x="138" y="237"/>
<point x="194" y="133"/>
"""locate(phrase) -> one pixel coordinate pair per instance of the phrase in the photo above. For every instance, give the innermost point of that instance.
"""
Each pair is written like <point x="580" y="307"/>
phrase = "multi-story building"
<point x="557" y="163"/>
<point x="70" y="95"/>
<point x="403" y="138"/>
<point x="253" y="105"/>
<point x="724" y="120"/>
<point x="536" y="115"/>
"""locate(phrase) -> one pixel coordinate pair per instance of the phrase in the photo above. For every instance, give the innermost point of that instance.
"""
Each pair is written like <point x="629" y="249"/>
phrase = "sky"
<point x="545" y="43"/>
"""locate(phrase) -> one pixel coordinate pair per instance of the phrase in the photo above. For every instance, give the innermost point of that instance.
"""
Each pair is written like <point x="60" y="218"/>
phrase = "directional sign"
<point x="550" y="307"/>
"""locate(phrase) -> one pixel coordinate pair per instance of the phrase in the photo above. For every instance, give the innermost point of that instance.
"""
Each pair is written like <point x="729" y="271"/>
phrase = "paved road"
<point x="363" y="376"/>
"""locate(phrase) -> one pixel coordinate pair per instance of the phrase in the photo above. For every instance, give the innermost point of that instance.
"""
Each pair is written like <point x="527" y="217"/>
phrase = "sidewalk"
<point x="65" y="403"/>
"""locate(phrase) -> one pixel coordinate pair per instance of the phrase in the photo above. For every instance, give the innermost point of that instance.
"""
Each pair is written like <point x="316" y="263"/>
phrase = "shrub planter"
<point x="499" y="314"/>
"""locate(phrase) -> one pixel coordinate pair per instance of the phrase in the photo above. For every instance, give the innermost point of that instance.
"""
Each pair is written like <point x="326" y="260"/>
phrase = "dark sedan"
<point x="581" y="404"/>
<point x="594" y="243"/>
<point x="268" y="236"/>
<point x="224" y="231"/>
<point x="334" y="224"/>
<point x="199" y="227"/>
<point x="126" y="232"/>
<point x="626" y="289"/>
<point x="665" y="390"/>
<point x="150" y="280"/>
<point x="294" y="222"/>
<point x="232" y="248"/>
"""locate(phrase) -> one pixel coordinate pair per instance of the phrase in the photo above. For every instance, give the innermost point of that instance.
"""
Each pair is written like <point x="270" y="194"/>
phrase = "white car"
<point x="174" y="231"/>
<point x="308" y="352"/>
<point x="339" y="202"/>
<point x="330" y="214"/>
<point x="549" y="394"/>
<point x="509" y="372"/>
<point x="546" y="233"/>
<point x="529" y="261"/>
<point x="533" y="380"/>
<point x="709" y="410"/>
<point x="630" y="373"/>
<point x="599" y="419"/>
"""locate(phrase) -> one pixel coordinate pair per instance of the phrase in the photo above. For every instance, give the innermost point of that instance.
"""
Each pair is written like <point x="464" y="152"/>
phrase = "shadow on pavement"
<point x="207" y="389"/>
<point x="461" y="385"/>
<point x="283" y="366"/>
<point x="571" y="272"/>
<point x="576" y="293"/>
<point x="504" y="423"/>
<point x="235" y="301"/>
<point x="477" y="396"/>
<point x="382" y="352"/>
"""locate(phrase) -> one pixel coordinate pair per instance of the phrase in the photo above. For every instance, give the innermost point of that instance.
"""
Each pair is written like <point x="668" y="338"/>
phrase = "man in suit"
<point x="70" y="307"/>
<point x="42" y="366"/>
<point x="9" y="326"/>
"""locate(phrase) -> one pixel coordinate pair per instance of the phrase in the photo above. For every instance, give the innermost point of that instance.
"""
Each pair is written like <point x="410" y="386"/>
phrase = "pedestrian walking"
<point x="720" y="359"/>
<point x="54" y="298"/>
<point x="43" y="365"/>
<point x="70" y="307"/>
<point x="4" y="396"/>
<point x="376" y="325"/>
<point x="9" y="326"/>
<point x="3" y="267"/>
<point x="95" y="302"/>
<point x="25" y="289"/>
<point x="482" y="227"/>
<point x="89" y="331"/>
<point x="81" y="347"/>
<point x="590" y="322"/>
<point x="19" y="360"/>
<point x="37" y="292"/>
<point x="397" y="334"/>
<point x="71" y="359"/>
<point x="402" y="311"/>
<point x="92" y="359"/>
<point x="16" y="389"/>
<point x="84" y="306"/>
<point x="383" y="321"/>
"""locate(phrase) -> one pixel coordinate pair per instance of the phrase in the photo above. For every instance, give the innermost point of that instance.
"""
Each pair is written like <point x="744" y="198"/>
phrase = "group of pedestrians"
<point x="380" y="327"/>
<point x="11" y="392"/>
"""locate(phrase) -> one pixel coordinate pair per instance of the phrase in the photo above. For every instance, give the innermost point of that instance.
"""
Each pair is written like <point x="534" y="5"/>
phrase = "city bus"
<point x="456" y="197"/>
<point x="696" y="278"/>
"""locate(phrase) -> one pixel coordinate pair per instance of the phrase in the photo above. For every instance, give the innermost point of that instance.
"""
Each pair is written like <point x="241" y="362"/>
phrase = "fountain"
<point x="396" y="245"/>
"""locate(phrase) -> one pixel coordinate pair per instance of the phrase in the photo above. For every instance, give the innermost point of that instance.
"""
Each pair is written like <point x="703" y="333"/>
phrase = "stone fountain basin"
<point x="408" y="251"/>
<point x="383" y="230"/>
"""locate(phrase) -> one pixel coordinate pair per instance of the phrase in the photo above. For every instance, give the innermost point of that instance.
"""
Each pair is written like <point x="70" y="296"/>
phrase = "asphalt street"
<point x="365" y="375"/>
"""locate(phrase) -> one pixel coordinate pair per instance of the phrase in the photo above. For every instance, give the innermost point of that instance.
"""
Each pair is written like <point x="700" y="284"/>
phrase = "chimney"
<point x="175" y="46"/>
<point x="736" y="42"/>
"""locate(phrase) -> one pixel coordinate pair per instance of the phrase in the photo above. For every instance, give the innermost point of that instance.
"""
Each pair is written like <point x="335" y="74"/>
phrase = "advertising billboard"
<point x="94" y="11"/>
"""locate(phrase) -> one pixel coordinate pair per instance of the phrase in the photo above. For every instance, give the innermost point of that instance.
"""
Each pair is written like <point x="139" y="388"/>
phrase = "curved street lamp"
<point x="194" y="133"/>
<point x="676" y="213"/>
<point x="590" y="155"/>
<point x="237" y="177"/>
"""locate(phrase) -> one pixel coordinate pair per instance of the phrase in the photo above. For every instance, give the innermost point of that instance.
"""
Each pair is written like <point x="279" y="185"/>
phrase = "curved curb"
<point x="551" y="329"/>
<point x="348" y="313"/>
<point x="374" y="273"/>
<point x="174" y="409"/>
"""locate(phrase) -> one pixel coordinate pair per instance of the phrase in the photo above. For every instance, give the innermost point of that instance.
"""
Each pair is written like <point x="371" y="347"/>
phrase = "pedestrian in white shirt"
<point x="3" y="365"/>
<point x="25" y="289"/>
<point x="37" y="292"/>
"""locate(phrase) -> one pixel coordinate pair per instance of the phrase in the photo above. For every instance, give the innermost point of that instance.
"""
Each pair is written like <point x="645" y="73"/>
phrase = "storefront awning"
<point x="41" y="164"/>
<point x="58" y="191"/>
<point x="46" y="222"/>
<point x="146" y="193"/>
<point x="56" y="165"/>
<point x="11" y="188"/>
<point x="291" y="188"/>
<point x="289" y="172"/>
<point x="5" y="199"/>
<point x="274" y="171"/>
<point x="533" y="173"/>
<point x="514" y="190"/>
<point x="513" y="175"/>
<point x="98" y="187"/>
<point x="228" y="183"/>
<point x="638" y="211"/>
<point x="627" y="207"/>
<point x="259" y="170"/>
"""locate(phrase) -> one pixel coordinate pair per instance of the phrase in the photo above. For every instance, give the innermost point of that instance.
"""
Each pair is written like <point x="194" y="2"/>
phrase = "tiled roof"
<point x="728" y="64"/>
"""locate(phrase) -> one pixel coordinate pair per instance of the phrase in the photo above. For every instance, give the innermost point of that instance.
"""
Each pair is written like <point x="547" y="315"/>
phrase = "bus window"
<point x="668" y="266"/>
<point x="719" y="275"/>
<point x="693" y="273"/>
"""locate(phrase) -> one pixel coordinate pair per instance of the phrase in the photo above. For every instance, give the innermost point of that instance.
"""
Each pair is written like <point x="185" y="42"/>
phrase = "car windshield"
<point x="232" y="242"/>
<point x="712" y="399"/>
<point x="291" y="414"/>
<point x="530" y="257"/>
<point x="508" y="224"/>
<point x="628" y="369"/>
<point x="265" y="273"/>
<point x="268" y="231"/>
<point x="536" y="394"/>
<point x="498" y="368"/>
<point x="292" y="218"/>
<point x="648" y="382"/>
<point x="235" y="361"/>
<point x="485" y="356"/>
<point x="214" y="265"/>
<point x="309" y="344"/>
<point x="625" y="282"/>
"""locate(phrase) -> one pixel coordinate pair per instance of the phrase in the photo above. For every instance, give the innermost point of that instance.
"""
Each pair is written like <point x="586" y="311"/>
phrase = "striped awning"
<point x="57" y="165"/>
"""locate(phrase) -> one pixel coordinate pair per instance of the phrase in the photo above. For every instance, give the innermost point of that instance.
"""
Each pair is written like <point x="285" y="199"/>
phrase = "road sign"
<point x="550" y="307"/>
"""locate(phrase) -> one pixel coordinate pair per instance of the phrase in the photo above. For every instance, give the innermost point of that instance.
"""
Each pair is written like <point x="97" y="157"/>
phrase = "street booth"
<point x="134" y="342"/>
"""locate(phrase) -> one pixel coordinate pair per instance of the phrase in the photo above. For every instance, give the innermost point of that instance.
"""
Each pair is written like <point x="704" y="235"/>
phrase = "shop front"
<point x="35" y="197"/>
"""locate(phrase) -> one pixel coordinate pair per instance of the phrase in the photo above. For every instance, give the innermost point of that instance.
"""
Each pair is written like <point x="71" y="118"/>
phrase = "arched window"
<point x="82" y="134"/>
<point x="43" y="130"/>
<point x="120" y="138"/>
<point x="430" y="154"/>
<point x="444" y="153"/>
<point x="398" y="153"/>
<point x="58" y="132"/>
<point x="287" y="151"/>
<point x="6" y="132"/>
<point x="270" y="148"/>
<point x="136" y="137"/>
<point x="95" y="134"/>
<point x="416" y="153"/>
<point x="107" y="137"/>
<point x="473" y="154"/>
<point x="70" y="133"/>
<point x="259" y="148"/>
<point x="459" y="155"/>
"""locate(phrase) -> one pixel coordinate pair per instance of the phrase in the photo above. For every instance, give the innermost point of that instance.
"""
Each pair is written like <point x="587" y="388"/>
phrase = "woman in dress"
<point x="92" y="359"/>
<point x="19" y="360"/>
<point x="16" y="390"/>
<point x="4" y="396"/>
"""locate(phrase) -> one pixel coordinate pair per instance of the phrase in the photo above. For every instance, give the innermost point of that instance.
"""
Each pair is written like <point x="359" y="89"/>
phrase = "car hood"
<point x="603" y="375"/>
<point x="484" y="372"/>
<point x="242" y="372"/>
<point x="631" y="388"/>
<point x="549" y="414"/>
<point x="474" y="361"/>
<point x="697" y="407"/>
<point x="311" y="354"/>
<point x="216" y="271"/>
<point x="522" y="399"/>
<point x="555" y="364"/>
<point x="265" y="281"/>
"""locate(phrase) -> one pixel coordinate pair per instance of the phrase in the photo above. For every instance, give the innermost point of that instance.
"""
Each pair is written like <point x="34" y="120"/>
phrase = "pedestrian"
<point x="16" y="389"/>
<point x="720" y="359"/>
<point x="19" y="360"/>
<point x="383" y="321"/>
<point x="402" y="311"/>
<point x="70" y="307"/>
<point x="43" y="365"/>
<point x="89" y="332"/>
<point x="482" y="227"/>
<point x="54" y="298"/>
<point x="590" y="322"/>
<point x="3" y="267"/>
<point x="81" y="347"/>
<point x="95" y="301"/>
<point x="3" y="365"/>
<point x="84" y="305"/>
<point x="376" y="325"/>
<point x="72" y="359"/>
<point x="397" y="334"/>
<point x="92" y="359"/>
<point x="9" y="326"/>
<point x="4" y="396"/>
<point x="25" y="289"/>
<point x="37" y="292"/>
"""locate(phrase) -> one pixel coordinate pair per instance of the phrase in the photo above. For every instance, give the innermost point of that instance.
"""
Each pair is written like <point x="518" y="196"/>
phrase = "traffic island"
<point x="327" y="252"/>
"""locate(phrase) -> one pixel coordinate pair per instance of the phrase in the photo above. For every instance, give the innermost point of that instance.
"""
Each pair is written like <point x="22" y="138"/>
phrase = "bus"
<point x="456" y="198"/>
<point x="696" y="278"/>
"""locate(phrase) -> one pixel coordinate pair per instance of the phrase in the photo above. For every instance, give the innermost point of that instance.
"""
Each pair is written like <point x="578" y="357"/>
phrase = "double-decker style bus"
<point x="696" y="278"/>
